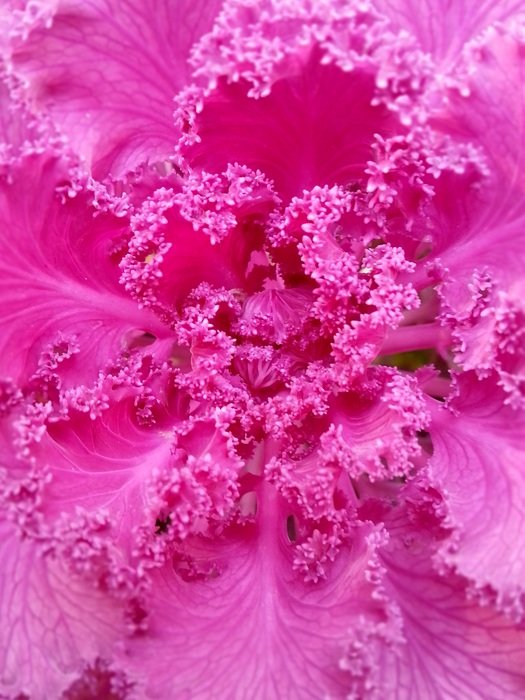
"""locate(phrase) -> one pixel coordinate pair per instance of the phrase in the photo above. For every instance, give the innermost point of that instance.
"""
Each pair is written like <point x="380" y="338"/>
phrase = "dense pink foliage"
<point x="262" y="350"/>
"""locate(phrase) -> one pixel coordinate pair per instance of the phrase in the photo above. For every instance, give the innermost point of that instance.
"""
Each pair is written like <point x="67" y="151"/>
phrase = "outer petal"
<point x="479" y="225"/>
<point x="488" y="218"/>
<point x="108" y="71"/>
<point x="61" y="303"/>
<point x="94" y="501"/>
<point x="119" y="471"/>
<point x="19" y="17"/>
<point x="240" y="623"/>
<point x="453" y="649"/>
<point x="477" y="463"/>
<point x="102" y="464"/>
<point x="140" y="475"/>
<point x="443" y="27"/>
<point x="52" y="623"/>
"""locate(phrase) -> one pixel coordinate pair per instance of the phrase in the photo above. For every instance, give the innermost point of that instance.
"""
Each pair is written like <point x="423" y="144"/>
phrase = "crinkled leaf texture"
<point x="91" y="62"/>
<point x="477" y="462"/>
<point x="443" y="27"/>
<point x="51" y="622"/>
<point x="452" y="647"/>
<point x="262" y="350"/>
<point x="59" y="286"/>
<point x="255" y="629"/>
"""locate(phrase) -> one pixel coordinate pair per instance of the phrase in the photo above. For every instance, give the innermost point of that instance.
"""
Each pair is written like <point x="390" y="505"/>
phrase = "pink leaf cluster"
<point x="262" y="349"/>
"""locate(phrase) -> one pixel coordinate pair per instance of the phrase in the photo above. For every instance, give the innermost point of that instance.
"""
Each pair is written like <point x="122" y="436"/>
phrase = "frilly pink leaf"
<point x="443" y="28"/>
<point x="451" y="647"/>
<point x="53" y="622"/>
<point x="239" y="603"/>
<point x="262" y="350"/>
<point x="107" y="114"/>
<point x="477" y="466"/>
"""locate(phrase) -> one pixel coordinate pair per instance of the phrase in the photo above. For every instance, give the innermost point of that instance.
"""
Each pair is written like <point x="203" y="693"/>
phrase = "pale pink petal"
<point x="442" y="27"/>
<point x="479" y="220"/>
<point x="52" y="623"/>
<point x="487" y="219"/>
<point x="477" y="464"/>
<point x="447" y="646"/>
<point x="19" y="17"/>
<point x="104" y="463"/>
<point x="453" y="648"/>
<point x="108" y="72"/>
<point x="233" y="617"/>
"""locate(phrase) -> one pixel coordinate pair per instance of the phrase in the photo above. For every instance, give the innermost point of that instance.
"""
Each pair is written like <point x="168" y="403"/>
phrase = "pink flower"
<point x="262" y="350"/>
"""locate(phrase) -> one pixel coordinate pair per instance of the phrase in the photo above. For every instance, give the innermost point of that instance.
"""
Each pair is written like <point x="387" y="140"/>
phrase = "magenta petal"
<point x="236" y="618"/>
<point x="102" y="464"/>
<point x="108" y="71"/>
<point x="483" y="226"/>
<point x="299" y="91"/>
<point x="477" y="463"/>
<point x="380" y="435"/>
<point x="479" y="220"/>
<point x="59" y="285"/>
<point x="204" y="234"/>
<point x="318" y="127"/>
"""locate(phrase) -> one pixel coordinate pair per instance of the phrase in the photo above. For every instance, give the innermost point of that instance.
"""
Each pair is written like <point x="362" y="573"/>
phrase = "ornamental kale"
<point x="262" y="349"/>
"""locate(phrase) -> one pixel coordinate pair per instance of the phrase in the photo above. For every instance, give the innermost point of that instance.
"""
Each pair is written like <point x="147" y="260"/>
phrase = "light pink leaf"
<point x="51" y="622"/>
<point x="108" y="71"/>
<point x="477" y="463"/>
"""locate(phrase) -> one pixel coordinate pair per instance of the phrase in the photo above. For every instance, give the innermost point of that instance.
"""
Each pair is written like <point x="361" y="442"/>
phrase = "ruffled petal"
<point x="298" y="91"/>
<point x="52" y="623"/>
<point x="233" y="616"/>
<point x="452" y="648"/>
<point x="367" y="435"/>
<point x="62" y="306"/>
<point x="203" y="234"/>
<point x="107" y="71"/>
<point x="488" y="220"/>
<point x="443" y="28"/>
<point x="479" y="220"/>
<point x="318" y="128"/>
<point x="478" y="453"/>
